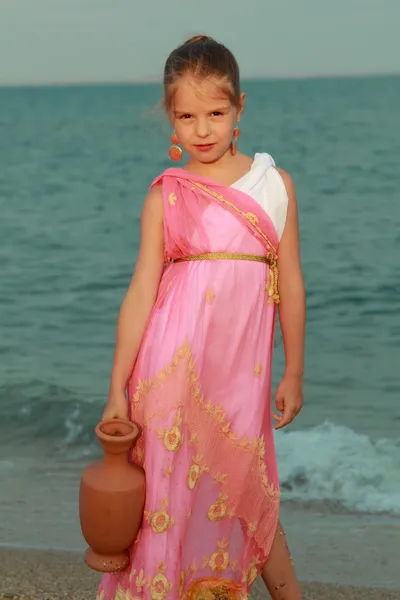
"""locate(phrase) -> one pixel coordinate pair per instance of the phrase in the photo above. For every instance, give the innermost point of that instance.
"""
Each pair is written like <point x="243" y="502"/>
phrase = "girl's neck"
<point x="226" y="170"/>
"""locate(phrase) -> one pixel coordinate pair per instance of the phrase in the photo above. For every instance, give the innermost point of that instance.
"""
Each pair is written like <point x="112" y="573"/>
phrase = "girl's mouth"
<point x="204" y="147"/>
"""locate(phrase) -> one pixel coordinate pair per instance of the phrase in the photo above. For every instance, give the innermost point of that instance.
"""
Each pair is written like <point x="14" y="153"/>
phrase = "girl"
<point x="194" y="346"/>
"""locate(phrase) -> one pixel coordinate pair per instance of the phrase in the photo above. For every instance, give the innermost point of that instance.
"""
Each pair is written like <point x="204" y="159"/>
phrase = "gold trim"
<point x="249" y="216"/>
<point x="225" y="256"/>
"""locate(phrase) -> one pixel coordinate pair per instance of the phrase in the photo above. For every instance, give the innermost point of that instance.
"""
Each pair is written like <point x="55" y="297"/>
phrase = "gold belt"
<point x="269" y="259"/>
<point x="224" y="256"/>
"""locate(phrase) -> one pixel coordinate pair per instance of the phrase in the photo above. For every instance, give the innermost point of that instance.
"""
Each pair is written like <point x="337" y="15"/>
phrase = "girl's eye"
<point x="217" y="113"/>
<point x="186" y="116"/>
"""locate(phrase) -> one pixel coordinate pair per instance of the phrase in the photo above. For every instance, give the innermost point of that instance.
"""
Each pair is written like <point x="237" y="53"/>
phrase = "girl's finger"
<point x="277" y="417"/>
<point x="287" y="418"/>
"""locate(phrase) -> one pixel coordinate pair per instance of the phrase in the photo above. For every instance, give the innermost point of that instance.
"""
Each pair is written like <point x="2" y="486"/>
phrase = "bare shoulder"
<point x="153" y="202"/>
<point x="289" y="184"/>
<point x="154" y="195"/>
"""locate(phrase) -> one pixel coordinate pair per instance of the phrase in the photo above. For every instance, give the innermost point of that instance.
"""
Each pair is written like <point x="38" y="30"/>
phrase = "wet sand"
<point x="56" y="575"/>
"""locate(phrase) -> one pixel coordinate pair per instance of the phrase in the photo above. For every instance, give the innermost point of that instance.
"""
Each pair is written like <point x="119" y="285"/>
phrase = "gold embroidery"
<point x="182" y="581"/>
<point x="219" y="561"/>
<point x="169" y="470"/>
<point x="234" y="207"/>
<point x="252" y="527"/>
<point x="138" y="451"/>
<point x="142" y="388"/>
<point x="218" y="510"/>
<point x="160" y="587"/>
<point x="220" y="477"/>
<point x="251" y="574"/>
<point x="205" y="595"/>
<point x="172" y="438"/>
<point x="100" y="595"/>
<point x="194" y="473"/>
<point x="257" y="370"/>
<point x="172" y="199"/>
<point x="194" y="567"/>
<point x="121" y="594"/>
<point x="161" y="521"/>
<point x="271" y="287"/>
<point x="215" y="588"/>
<point x="193" y="437"/>
<point x="132" y="574"/>
<point x="252" y="218"/>
<point x="216" y="411"/>
<point x="210" y="296"/>
<point x="140" y="581"/>
<point x="234" y="566"/>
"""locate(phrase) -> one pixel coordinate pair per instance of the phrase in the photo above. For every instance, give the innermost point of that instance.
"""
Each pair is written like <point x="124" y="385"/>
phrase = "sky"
<point x="73" y="41"/>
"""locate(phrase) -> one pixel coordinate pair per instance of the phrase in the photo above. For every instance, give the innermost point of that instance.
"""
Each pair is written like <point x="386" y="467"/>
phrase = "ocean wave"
<point x="334" y="464"/>
<point x="328" y="463"/>
<point x="36" y="411"/>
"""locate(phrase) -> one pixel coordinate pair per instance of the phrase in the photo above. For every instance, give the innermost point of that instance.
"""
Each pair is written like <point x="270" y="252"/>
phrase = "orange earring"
<point x="236" y="136"/>
<point x="175" y="152"/>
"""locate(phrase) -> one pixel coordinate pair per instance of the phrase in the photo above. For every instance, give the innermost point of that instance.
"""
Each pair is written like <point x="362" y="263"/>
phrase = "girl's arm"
<point x="292" y="312"/>
<point x="138" y="302"/>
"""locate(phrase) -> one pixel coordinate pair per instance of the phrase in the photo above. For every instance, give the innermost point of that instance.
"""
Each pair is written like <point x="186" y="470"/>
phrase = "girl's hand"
<point x="116" y="407"/>
<point x="289" y="399"/>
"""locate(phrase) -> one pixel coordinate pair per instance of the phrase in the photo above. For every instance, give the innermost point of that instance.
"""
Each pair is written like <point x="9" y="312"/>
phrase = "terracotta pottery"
<point x="111" y="499"/>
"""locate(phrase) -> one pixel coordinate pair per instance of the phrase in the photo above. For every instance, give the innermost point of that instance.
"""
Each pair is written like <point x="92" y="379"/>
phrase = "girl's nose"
<point x="202" y="128"/>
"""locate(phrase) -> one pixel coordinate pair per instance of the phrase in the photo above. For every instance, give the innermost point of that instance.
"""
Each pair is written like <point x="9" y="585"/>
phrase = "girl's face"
<point x="203" y="118"/>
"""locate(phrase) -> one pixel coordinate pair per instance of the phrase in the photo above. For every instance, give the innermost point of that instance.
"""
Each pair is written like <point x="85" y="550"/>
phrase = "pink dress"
<point x="201" y="392"/>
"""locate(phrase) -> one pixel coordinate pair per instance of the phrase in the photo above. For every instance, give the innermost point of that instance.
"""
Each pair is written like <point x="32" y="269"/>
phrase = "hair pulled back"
<point x="203" y="57"/>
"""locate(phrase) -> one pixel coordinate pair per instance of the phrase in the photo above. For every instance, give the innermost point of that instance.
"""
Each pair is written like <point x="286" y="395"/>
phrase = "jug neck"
<point x="115" y="458"/>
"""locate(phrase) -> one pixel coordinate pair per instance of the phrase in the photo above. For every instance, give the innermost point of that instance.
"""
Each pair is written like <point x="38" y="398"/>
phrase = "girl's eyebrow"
<point x="214" y="109"/>
<point x="220" y="108"/>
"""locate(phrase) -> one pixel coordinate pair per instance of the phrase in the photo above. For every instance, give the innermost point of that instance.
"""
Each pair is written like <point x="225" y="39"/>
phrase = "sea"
<point x="75" y="165"/>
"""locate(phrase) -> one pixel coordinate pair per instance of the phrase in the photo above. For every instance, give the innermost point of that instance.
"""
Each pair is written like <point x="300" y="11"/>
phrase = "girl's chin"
<point x="211" y="154"/>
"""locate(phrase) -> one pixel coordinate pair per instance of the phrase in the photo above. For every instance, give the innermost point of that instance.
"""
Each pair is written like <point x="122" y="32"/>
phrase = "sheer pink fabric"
<point x="201" y="391"/>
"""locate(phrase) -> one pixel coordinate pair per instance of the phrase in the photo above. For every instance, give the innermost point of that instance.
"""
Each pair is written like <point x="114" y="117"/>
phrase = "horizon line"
<point x="158" y="81"/>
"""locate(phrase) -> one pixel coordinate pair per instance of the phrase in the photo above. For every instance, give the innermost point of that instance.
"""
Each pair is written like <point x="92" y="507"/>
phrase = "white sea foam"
<point x="333" y="463"/>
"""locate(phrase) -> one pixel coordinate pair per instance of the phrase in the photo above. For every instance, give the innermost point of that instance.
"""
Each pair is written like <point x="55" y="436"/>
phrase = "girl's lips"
<point x="204" y="147"/>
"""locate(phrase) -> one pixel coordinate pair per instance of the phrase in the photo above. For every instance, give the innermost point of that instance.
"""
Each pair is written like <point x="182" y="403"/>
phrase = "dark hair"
<point x="202" y="57"/>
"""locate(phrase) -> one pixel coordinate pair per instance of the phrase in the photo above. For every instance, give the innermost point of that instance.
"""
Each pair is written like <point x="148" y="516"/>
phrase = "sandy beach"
<point x="56" y="575"/>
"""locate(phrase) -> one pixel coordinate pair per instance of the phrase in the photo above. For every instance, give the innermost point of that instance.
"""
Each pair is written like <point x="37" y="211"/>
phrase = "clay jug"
<point x="111" y="498"/>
